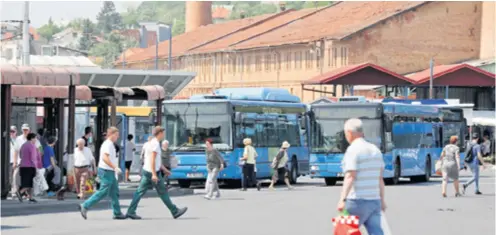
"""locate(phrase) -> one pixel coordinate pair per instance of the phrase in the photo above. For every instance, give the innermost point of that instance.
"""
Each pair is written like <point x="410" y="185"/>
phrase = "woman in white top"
<point x="249" y="162"/>
<point x="83" y="160"/>
<point x="279" y="166"/>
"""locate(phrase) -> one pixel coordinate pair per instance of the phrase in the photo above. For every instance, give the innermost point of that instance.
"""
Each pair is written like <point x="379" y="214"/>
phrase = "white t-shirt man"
<point x="108" y="148"/>
<point x="83" y="157"/>
<point x="12" y="152"/>
<point x="130" y="147"/>
<point x="153" y="146"/>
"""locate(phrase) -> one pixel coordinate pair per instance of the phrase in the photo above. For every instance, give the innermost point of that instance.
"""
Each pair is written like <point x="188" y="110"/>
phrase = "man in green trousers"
<point x="108" y="168"/>
<point x="152" y="175"/>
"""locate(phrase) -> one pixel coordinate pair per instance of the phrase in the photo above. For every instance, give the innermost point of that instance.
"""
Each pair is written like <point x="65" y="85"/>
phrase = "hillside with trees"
<point x="102" y="40"/>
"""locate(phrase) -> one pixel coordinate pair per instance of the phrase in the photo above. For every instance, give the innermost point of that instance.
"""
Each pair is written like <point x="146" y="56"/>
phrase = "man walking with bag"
<point x="108" y="167"/>
<point x="473" y="158"/>
<point x="363" y="185"/>
<point x="152" y="176"/>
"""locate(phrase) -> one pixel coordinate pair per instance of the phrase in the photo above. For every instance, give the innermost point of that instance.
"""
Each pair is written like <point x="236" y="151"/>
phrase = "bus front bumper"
<point x="326" y="170"/>
<point x="199" y="173"/>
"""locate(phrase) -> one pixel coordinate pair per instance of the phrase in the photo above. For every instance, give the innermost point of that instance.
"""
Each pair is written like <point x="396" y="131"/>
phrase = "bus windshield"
<point x="329" y="136"/>
<point x="188" y="126"/>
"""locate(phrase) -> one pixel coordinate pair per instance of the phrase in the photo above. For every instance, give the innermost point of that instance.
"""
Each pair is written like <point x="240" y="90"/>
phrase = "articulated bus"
<point x="410" y="137"/>
<point x="268" y="116"/>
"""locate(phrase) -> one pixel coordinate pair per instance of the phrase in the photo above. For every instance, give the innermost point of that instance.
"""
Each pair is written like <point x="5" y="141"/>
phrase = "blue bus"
<point x="410" y="137"/>
<point x="268" y="116"/>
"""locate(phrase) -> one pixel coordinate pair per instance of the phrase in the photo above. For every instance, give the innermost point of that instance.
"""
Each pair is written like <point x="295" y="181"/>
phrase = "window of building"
<point x="233" y="64"/>
<point x="278" y="59"/>
<point x="296" y="57"/>
<point x="288" y="60"/>
<point x="309" y="60"/>
<point x="268" y="62"/>
<point x="344" y="56"/>
<point x="258" y="63"/>
<point x="329" y="56"/>
<point x="334" y="57"/>
<point x="300" y="62"/>
<point x="248" y="63"/>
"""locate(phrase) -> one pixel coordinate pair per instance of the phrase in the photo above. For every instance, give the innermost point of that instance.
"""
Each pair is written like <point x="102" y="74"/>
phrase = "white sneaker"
<point x="207" y="197"/>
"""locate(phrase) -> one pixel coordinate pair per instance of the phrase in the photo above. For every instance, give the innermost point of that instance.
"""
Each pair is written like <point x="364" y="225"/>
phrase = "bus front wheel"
<point x="184" y="183"/>
<point x="293" y="173"/>
<point x="427" y="172"/>
<point x="396" y="175"/>
<point x="330" y="181"/>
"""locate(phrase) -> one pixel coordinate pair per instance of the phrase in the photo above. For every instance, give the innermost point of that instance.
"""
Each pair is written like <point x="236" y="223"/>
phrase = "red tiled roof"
<point x="220" y="13"/>
<point x="338" y="21"/>
<point x="181" y="43"/>
<point x="259" y="28"/>
<point x="442" y="70"/>
<point x="381" y="74"/>
<point x="32" y="31"/>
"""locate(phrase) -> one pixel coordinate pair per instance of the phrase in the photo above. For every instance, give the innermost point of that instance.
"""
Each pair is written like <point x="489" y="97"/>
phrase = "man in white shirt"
<point x="108" y="167"/>
<point x="83" y="163"/>
<point x="363" y="185"/>
<point x="130" y="148"/>
<point x="152" y="176"/>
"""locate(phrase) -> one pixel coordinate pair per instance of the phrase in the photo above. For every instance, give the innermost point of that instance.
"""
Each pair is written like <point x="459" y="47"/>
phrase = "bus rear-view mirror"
<point x="303" y="122"/>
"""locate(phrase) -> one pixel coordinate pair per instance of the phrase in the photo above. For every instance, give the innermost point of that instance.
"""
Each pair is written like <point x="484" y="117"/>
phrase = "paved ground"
<point x="413" y="209"/>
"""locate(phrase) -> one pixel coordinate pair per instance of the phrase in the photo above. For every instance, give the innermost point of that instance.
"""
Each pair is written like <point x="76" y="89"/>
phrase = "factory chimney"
<point x="198" y="14"/>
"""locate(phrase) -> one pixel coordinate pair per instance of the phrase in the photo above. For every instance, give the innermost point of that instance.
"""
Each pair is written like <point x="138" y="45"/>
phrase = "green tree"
<point x="108" y="50"/>
<point x="315" y="4"/>
<point x="48" y="30"/>
<point x="108" y="18"/>
<point x="85" y="42"/>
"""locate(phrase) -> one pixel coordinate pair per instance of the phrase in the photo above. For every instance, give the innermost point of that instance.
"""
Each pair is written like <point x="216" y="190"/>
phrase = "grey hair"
<point x="354" y="125"/>
<point x="165" y="142"/>
<point x="81" y="140"/>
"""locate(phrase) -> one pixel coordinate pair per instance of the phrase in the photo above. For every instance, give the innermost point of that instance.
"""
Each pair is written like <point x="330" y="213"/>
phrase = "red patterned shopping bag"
<point x="346" y="224"/>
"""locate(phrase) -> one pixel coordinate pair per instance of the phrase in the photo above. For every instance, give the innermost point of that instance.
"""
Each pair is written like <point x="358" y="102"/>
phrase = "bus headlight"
<point x="314" y="168"/>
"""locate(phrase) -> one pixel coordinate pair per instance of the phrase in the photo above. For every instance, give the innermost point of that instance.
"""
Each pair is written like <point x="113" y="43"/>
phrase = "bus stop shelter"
<point x="56" y="85"/>
<point x="359" y="74"/>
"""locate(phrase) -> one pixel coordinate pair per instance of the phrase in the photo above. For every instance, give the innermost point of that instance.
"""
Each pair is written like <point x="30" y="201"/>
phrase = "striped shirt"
<point x="366" y="159"/>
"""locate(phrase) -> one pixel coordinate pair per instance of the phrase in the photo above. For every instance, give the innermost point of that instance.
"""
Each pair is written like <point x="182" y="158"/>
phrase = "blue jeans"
<point x="369" y="213"/>
<point x="108" y="186"/>
<point x="474" y="168"/>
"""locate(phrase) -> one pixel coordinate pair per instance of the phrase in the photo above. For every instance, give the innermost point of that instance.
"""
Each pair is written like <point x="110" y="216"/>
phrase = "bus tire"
<point x="293" y="173"/>
<point x="427" y="172"/>
<point x="184" y="183"/>
<point x="396" y="174"/>
<point x="330" y="181"/>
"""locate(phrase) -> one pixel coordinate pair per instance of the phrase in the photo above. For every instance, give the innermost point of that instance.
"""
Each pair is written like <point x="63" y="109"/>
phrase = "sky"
<point x="41" y="11"/>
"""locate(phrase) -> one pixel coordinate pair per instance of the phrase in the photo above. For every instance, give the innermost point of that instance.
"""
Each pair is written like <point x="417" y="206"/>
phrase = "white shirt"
<point x="108" y="148"/>
<point x="153" y="146"/>
<point x="19" y="141"/>
<point x="12" y="151"/>
<point x="130" y="147"/>
<point x="366" y="159"/>
<point x="83" y="157"/>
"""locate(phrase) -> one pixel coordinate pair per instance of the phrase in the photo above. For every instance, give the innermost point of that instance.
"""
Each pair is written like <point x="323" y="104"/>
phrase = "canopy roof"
<point x="463" y="75"/>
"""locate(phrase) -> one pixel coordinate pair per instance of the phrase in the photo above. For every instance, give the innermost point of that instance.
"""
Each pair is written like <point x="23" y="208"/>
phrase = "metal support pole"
<point x="334" y="90"/>
<point x="6" y="100"/>
<point x="351" y="90"/>
<point x="156" y="54"/>
<point x="446" y="92"/>
<point x="170" y="47"/>
<point x="405" y="92"/>
<point x="60" y="149"/>
<point x="113" y="113"/>
<point x="26" y="37"/>
<point x="431" y="79"/>
<point x="71" y="123"/>
<point x="159" y="112"/>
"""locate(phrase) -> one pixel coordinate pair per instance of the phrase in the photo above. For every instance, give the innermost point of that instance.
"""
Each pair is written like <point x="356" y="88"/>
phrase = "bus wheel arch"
<point x="396" y="172"/>
<point x="293" y="172"/>
<point x="184" y="183"/>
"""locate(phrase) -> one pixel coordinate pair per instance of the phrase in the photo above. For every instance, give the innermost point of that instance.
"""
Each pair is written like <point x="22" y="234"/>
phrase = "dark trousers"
<point x="249" y="178"/>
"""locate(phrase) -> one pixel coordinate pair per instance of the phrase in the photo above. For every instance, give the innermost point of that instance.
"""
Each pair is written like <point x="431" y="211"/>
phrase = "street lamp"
<point x="162" y="35"/>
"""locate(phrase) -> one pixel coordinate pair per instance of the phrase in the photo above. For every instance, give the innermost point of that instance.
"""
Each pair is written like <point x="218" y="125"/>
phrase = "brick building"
<point x="286" y="48"/>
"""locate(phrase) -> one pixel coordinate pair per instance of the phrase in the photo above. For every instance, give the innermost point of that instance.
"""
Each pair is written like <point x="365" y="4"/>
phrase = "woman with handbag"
<point x="279" y="166"/>
<point x="450" y="159"/>
<point x="249" y="162"/>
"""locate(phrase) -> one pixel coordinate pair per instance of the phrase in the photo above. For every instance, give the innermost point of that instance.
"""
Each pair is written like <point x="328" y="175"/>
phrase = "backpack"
<point x="469" y="156"/>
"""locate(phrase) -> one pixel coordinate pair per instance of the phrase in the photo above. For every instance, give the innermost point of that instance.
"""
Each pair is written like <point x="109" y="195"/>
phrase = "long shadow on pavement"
<point x="49" y="206"/>
<point x="8" y="227"/>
